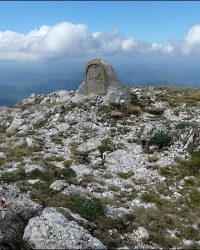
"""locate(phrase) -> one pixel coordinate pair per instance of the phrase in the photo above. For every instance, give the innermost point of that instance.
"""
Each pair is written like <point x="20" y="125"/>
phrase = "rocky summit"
<point x="113" y="171"/>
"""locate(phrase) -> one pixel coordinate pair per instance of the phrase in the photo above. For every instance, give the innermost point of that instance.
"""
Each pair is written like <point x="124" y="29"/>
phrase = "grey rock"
<point x="12" y="228"/>
<point x="117" y="92"/>
<point x="58" y="185"/>
<point x="15" y="211"/>
<point x="51" y="230"/>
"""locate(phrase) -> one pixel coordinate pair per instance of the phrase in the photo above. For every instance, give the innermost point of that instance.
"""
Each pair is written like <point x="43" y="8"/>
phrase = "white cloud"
<point x="128" y="44"/>
<point x="192" y="40"/>
<point x="66" y="40"/>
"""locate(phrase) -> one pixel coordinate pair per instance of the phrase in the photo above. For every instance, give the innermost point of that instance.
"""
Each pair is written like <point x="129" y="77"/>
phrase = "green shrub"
<point x="116" y="105"/>
<point x="7" y="177"/>
<point x="87" y="208"/>
<point x="160" y="139"/>
<point x="191" y="233"/>
<point x="69" y="172"/>
<point x="103" y="148"/>
<point x="194" y="163"/>
<point x="134" y="99"/>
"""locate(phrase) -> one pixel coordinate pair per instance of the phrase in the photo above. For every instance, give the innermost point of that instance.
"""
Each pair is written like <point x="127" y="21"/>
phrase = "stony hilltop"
<point x="92" y="174"/>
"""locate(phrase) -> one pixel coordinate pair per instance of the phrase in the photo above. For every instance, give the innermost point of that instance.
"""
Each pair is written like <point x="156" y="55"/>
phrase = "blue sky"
<point x="55" y="30"/>
<point x="150" y="21"/>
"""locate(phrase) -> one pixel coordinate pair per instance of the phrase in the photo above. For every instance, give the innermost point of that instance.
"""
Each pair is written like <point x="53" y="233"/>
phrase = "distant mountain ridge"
<point x="16" y="85"/>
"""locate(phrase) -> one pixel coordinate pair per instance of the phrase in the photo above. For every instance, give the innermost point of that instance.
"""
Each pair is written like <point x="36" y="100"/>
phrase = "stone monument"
<point x="98" y="76"/>
<point x="100" y="80"/>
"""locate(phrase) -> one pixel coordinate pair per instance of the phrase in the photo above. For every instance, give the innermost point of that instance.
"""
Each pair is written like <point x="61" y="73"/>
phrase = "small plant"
<point x="7" y="177"/>
<point x="134" y="99"/>
<point x="160" y="139"/>
<point x="67" y="163"/>
<point x="150" y="197"/>
<point x="116" y="105"/>
<point x="106" y="146"/>
<point x="125" y="175"/>
<point x="114" y="188"/>
<point x="107" y="176"/>
<point x="194" y="163"/>
<point x="87" y="208"/>
<point x="153" y="158"/>
<point x="132" y="109"/>
<point x="183" y="125"/>
<point x="68" y="172"/>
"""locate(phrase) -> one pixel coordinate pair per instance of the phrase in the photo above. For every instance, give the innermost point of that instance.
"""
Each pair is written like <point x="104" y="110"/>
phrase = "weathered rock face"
<point x="52" y="230"/>
<point x="12" y="228"/>
<point x="15" y="211"/>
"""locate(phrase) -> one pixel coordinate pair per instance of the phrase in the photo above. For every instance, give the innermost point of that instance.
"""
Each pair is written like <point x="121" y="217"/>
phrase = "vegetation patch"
<point x="160" y="139"/>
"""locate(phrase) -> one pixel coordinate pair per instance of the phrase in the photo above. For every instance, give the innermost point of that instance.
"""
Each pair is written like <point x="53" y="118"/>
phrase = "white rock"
<point x="33" y="181"/>
<point x="141" y="232"/>
<point x="81" y="169"/>
<point x="16" y="123"/>
<point x="51" y="230"/>
<point x="2" y="155"/>
<point x="77" y="190"/>
<point x="63" y="126"/>
<point x="58" y="184"/>
<point x="94" y="154"/>
<point x="89" y="145"/>
<point x="31" y="168"/>
<point x="29" y="141"/>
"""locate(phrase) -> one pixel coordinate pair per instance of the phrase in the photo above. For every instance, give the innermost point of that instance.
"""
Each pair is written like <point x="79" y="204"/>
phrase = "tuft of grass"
<point x="125" y="175"/>
<point x="107" y="176"/>
<point x="150" y="197"/>
<point x="114" y="188"/>
<point x="7" y="177"/>
<point x="153" y="158"/>
<point x="183" y="125"/>
<point x="67" y="163"/>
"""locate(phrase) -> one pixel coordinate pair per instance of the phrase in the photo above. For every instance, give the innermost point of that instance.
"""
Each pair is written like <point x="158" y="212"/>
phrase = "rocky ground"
<point x="91" y="174"/>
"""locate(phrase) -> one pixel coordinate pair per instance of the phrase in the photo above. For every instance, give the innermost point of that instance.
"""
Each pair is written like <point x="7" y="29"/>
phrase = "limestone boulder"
<point x="51" y="230"/>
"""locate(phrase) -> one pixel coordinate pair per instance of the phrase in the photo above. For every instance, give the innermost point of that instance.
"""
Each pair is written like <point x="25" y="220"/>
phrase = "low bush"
<point x="7" y="177"/>
<point x="160" y="139"/>
<point x="68" y="172"/>
<point x="88" y="208"/>
<point x="134" y="99"/>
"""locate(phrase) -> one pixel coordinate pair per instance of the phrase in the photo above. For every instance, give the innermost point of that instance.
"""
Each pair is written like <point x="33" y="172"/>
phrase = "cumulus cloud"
<point x="128" y="44"/>
<point x="192" y="40"/>
<point x="65" y="40"/>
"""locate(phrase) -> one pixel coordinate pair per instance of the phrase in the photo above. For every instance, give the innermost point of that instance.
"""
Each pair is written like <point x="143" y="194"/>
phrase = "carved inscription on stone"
<point x="95" y="80"/>
<point x="94" y="72"/>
